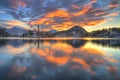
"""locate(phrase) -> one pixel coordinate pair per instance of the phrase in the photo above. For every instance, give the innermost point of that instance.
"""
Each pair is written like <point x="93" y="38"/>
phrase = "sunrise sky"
<point x="60" y="14"/>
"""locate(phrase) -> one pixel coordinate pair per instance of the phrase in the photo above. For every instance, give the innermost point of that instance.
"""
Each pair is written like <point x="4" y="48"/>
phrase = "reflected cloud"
<point x="59" y="60"/>
<point x="14" y="46"/>
<point x="14" y="50"/>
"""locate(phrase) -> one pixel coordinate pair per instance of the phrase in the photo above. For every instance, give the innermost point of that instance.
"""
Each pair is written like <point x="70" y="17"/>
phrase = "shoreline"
<point x="59" y="38"/>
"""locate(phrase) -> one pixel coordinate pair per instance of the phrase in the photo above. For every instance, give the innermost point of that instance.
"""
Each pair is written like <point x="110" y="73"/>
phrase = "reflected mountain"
<point x="17" y="43"/>
<point x="3" y="42"/>
<point x="108" y="43"/>
<point x="76" y="43"/>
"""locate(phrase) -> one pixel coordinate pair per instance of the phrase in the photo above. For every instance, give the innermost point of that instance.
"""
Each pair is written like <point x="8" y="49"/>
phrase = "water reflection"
<point x="108" y="43"/>
<point x="58" y="60"/>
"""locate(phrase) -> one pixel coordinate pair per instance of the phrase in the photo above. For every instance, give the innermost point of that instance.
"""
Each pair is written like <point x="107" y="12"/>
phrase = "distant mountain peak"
<point x="53" y="31"/>
<point x="16" y="30"/>
<point x="77" y="28"/>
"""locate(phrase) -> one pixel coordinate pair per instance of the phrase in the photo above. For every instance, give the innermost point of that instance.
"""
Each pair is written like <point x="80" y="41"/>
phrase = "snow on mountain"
<point x="16" y="31"/>
<point x="52" y="31"/>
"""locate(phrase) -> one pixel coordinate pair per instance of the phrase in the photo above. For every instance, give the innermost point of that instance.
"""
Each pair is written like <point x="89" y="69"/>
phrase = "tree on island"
<point x="34" y="30"/>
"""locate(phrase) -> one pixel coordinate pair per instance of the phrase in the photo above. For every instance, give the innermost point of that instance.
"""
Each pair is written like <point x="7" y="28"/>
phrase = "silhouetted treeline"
<point x="3" y="33"/>
<point x="110" y="32"/>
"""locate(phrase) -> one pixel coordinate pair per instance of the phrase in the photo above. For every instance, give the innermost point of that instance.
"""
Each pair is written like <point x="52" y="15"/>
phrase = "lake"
<point x="60" y="59"/>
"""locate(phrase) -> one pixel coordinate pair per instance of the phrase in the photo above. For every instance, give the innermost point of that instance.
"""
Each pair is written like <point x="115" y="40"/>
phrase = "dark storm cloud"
<point x="60" y="13"/>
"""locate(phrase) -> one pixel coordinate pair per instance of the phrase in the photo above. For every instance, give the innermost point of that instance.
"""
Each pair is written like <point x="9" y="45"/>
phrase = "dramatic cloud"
<point x="12" y="23"/>
<point x="61" y="14"/>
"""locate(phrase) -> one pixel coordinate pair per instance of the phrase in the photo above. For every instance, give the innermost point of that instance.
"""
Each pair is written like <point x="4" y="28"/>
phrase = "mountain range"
<point x="14" y="31"/>
<point x="76" y="31"/>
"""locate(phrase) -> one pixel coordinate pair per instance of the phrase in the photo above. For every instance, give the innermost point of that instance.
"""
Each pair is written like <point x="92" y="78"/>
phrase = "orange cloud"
<point x="39" y="21"/>
<point x="17" y="50"/>
<point x="46" y="19"/>
<point x="68" y="24"/>
<point x="113" y="14"/>
<point x="85" y="8"/>
<point x="81" y="61"/>
<point x="61" y="53"/>
<point x="63" y="26"/>
<point x="92" y="51"/>
<point x="49" y="22"/>
<point x="111" y="19"/>
<point x="16" y="23"/>
<point x="58" y="60"/>
<point x="50" y="18"/>
<point x="49" y="56"/>
<point x="83" y="11"/>
<point x="100" y="13"/>
<point x="93" y="22"/>
<point x="113" y="60"/>
<point x="86" y="22"/>
<point x="85" y="15"/>
<point x="113" y="5"/>
<point x="58" y="13"/>
<point x="12" y="23"/>
<point x="38" y="51"/>
<point x="63" y="47"/>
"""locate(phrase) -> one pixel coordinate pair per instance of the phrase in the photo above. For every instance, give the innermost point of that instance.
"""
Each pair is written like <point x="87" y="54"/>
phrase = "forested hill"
<point x="106" y="33"/>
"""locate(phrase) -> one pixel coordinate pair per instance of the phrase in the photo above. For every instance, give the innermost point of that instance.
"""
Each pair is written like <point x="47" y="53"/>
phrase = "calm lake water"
<point x="68" y="59"/>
